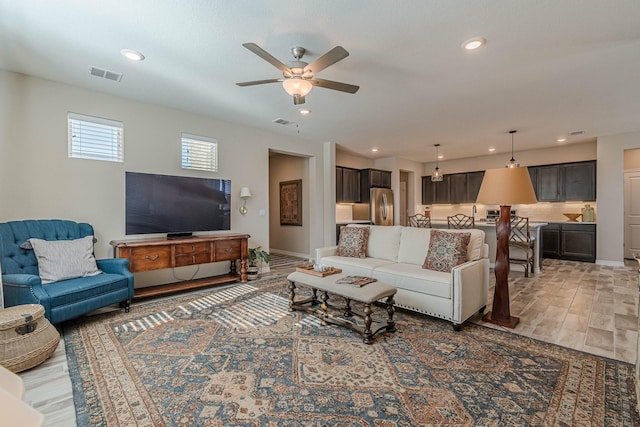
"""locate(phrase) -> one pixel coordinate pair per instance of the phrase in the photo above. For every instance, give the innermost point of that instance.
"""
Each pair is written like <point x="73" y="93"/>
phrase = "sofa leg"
<point x="457" y="327"/>
<point x="127" y="305"/>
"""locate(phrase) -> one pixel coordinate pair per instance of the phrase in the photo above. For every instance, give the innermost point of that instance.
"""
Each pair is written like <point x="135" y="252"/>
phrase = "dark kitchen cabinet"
<point x="436" y="192"/>
<point x="570" y="241"/>
<point x="454" y="188"/>
<point x="347" y="185"/>
<point x="549" y="183"/>
<point x="474" y="181"/>
<point x="551" y="241"/>
<point x="564" y="182"/>
<point x="339" y="183"/>
<point x="580" y="181"/>
<point x="578" y="242"/>
<point x="373" y="178"/>
<point x="458" y="188"/>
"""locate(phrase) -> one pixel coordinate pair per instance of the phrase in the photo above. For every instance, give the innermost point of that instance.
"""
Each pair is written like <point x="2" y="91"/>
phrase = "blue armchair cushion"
<point x="64" y="259"/>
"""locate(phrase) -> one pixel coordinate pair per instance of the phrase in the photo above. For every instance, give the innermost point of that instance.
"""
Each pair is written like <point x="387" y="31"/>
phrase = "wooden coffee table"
<point x="367" y="294"/>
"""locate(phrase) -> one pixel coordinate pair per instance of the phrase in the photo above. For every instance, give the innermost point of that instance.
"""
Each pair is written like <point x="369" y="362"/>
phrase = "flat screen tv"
<point x="176" y="205"/>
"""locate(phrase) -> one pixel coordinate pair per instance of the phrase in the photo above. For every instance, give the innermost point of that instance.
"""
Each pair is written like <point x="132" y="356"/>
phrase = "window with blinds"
<point x="199" y="152"/>
<point x="95" y="138"/>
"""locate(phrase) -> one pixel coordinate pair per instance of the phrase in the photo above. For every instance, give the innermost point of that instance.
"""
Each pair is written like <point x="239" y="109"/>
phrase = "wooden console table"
<point x="156" y="254"/>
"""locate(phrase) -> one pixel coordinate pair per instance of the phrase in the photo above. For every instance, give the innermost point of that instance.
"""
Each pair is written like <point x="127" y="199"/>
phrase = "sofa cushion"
<point x="446" y="250"/>
<point x="71" y="291"/>
<point x="353" y="241"/>
<point x="64" y="259"/>
<point x="414" y="278"/>
<point x="414" y="244"/>
<point x="384" y="242"/>
<point x="354" y="266"/>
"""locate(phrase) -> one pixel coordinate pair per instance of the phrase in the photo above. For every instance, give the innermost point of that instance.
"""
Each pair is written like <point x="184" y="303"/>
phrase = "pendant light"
<point x="436" y="176"/>
<point x="512" y="163"/>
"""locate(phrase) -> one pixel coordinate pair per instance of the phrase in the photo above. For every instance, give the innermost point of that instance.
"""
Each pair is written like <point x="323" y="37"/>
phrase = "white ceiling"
<point x="549" y="67"/>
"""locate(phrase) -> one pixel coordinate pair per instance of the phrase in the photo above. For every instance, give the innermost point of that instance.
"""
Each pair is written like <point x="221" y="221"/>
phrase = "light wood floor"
<point x="583" y="306"/>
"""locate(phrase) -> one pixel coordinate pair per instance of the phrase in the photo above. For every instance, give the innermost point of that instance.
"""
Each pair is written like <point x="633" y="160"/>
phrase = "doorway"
<point x="631" y="213"/>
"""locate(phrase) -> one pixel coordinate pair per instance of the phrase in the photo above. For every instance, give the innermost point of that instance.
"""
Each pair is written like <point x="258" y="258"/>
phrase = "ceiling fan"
<point x="298" y="76"/>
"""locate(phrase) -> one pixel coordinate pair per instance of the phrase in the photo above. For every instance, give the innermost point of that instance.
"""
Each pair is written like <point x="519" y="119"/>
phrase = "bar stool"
<point x="460" y="222"/>
<point x="420" y="221"/>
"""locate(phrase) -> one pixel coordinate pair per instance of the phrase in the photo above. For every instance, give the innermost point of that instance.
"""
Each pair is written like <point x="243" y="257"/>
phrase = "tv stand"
<point x="161" y="253"/>
<point x="175" y="236"/>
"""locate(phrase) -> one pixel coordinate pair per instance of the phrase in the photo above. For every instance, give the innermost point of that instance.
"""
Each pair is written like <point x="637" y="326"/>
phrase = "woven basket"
<point x="23" y="343"/>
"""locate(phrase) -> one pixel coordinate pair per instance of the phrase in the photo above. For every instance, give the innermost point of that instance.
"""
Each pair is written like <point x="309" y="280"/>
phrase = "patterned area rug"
<point x="236" y="356"/>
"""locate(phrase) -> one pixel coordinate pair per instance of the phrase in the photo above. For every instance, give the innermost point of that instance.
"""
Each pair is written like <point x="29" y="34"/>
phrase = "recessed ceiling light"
<point x="133" y="55"/>
<point x="492" y="149"/>
<point x="375" y="150"/>
<point x="561" y="139"/>
<point x="304" y="111"/>
<point x="473" y="43"/>
<point x="440" y="156"/>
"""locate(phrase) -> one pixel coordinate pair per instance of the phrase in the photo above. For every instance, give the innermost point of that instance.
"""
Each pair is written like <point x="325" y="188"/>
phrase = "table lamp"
<point x="504" y="187"/>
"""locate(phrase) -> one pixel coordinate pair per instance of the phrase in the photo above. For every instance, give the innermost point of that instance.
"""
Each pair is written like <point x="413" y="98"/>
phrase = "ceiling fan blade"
<point x="329" y="84"/>
<point x="266" y="56"/>
<point x="334" y="55"/>
<point x="259" y="82"/>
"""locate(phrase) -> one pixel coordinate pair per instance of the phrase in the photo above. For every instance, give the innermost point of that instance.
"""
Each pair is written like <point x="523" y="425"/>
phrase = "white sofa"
<point x="395" y="256"/>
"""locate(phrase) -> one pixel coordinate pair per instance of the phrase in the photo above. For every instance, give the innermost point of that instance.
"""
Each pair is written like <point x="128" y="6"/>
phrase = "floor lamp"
<point x="504" y="187"/>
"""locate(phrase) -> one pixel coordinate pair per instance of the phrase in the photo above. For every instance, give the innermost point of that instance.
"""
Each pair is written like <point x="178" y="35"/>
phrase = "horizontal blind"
<point x="95" y="138"/>
<point x="199" y="152"/>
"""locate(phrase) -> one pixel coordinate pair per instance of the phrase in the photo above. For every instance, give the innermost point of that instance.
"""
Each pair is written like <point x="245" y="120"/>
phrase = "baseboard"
<point x="610" y="263"/>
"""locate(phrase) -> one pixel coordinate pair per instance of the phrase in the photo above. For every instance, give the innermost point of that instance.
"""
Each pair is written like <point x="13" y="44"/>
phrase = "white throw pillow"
<point x="64" y="259"/>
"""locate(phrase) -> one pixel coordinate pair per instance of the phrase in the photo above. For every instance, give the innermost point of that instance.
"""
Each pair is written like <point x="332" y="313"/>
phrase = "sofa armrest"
<point x="117" y="266"/>
<point x="470" y="288"/>
<point x="114" y="265"/>
<point x="326" y="251"/>
<point x="23" y="289"/>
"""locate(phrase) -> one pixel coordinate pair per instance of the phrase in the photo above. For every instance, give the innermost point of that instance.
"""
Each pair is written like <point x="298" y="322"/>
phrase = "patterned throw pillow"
<point x="446" y="250"/>
<point x="353" y="241"/>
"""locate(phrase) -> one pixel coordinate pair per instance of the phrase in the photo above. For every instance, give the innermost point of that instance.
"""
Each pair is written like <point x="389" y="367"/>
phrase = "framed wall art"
<point x="291" y="202"/>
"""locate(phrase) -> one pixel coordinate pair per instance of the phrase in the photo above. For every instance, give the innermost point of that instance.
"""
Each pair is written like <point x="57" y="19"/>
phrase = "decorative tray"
<point x="309" y="270"/>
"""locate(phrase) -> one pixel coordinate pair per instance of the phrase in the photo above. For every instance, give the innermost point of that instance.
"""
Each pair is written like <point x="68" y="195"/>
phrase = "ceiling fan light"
<point x="297" y="86"/>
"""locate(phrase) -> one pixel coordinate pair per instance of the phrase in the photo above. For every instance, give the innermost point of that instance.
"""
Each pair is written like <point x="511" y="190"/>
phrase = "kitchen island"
<point x="489" y="228"/>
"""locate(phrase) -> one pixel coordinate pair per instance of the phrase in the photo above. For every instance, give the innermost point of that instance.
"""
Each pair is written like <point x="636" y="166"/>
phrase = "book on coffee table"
<point x="356" y="280"/>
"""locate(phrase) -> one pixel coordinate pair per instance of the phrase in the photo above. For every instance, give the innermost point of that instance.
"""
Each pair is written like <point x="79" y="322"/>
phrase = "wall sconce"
<point x="245" y="193"/>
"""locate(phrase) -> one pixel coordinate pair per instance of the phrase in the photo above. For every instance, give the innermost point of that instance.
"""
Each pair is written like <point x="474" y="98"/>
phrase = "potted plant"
<point x="255" y="258"/>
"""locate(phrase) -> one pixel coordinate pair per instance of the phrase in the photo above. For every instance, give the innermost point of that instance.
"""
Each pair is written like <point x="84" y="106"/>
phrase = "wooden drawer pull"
<point x="152" y="258"/>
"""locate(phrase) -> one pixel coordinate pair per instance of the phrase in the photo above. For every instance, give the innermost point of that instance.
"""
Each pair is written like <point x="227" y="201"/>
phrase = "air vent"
<point x="105" y="74"/>
<point x="282" y="122"/>
<point x="577" y="132"/>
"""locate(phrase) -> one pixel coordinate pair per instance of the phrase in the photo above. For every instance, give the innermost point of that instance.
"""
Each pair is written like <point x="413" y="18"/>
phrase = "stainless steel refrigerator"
<point x="381" y="206"/>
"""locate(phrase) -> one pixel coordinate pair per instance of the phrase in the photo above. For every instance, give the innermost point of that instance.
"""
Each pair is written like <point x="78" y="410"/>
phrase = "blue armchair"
<point x="64" y="299"/>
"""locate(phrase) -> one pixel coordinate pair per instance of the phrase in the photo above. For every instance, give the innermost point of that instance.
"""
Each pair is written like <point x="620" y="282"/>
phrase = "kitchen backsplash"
<point x="537" y="212"/>
<point x="352" y="212"/>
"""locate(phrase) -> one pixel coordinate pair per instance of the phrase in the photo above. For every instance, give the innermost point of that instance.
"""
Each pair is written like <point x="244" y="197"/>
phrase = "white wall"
<point x="610" y="190"/>
<point x="40" y="181"/>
